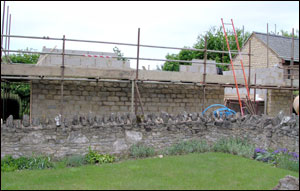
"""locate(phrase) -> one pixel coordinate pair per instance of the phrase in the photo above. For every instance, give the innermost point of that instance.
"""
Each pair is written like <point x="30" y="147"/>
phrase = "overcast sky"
<point x="161" y="23"/>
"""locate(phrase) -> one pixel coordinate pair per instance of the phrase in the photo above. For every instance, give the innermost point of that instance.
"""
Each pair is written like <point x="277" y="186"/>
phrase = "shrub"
<point x="140" y="151"/>
<point x="285" y="161"/>
<point x="185" y="147"/>
<point x="76" y="160"/>
<point x="8" y="163"/>
<point x="234" y="146"/>
<point x="280" y="158"/>
<point x="95" y="158"/>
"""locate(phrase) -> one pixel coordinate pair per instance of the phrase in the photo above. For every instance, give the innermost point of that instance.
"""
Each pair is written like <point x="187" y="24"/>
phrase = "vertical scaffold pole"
<point x="9" y="34"/>
<point x="204" y="73"/>
<point x="132" y="95"/>
<point x="62" y="78"/>
<point x="292" y="71"/>
<point x="137" y="71"/>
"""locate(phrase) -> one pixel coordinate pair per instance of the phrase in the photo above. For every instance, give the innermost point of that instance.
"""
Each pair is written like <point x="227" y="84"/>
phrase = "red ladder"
<point x="240" y="55"/>
<point x="236" y="85"/>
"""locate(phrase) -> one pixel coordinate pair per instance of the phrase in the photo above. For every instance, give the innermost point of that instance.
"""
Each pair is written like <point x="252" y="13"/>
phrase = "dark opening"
<point x="11" y="107"/>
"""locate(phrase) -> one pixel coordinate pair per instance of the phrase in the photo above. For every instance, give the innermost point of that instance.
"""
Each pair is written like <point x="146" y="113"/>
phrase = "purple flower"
<point x="276" y="152"/>
<point x="283" y="150"/>
<point x="258" y="150"/>
<point x="295" y="155"/>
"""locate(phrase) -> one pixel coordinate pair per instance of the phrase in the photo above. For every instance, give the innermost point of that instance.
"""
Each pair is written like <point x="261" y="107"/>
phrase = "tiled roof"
<point x="281" y="45"/>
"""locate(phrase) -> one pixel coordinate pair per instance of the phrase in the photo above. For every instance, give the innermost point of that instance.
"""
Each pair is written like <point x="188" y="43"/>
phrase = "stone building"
<point x="273" y="70"/>
<point x="280" y="52"/>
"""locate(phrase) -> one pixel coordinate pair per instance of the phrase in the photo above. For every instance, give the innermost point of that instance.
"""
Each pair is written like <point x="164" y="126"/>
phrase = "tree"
<point x="215" y="41"/>
<point x="287" y="34"/>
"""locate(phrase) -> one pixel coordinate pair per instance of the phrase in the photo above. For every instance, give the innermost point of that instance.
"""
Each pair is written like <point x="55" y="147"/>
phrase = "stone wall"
<point x="82" y="97"/>
<point x="259" y="57"/>
<point x="115" y="133"/>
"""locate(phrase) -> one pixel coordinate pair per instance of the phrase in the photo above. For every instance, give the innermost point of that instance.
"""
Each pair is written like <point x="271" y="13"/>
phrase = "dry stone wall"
<point x="115" y="133"/>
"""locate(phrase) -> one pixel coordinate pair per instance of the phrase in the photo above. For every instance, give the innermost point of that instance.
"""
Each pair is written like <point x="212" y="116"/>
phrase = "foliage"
<point x="286" y="162"/>
<point x="215" y="41"/>
<point x="8" y="163"/>
<point x="287" y="34"/>
<point x="21" y="89"/>
<point x="23" y="58"/>
<point x="185" y="147"/>
<point x="280" y="158"/>
<point x="75" y="161"/>
<point x="140" y="151"/>
<point x="119" y="53"/>
<point x="95" y="158"/>
<point x="235" y="146"/>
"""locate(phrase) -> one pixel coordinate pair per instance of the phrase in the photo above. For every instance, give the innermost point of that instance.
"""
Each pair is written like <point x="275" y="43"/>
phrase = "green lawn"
<point x="193" y="171"/>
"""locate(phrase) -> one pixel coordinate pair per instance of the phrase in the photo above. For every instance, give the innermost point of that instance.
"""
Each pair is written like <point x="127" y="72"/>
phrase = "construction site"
<point x="71" y="87"/>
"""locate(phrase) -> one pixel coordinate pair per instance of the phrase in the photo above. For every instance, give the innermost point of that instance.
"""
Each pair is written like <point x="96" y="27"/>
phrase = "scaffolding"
<point x="136" y="96"/>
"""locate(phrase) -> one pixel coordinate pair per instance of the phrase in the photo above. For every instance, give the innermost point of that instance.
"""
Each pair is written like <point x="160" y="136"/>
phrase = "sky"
<point x="175" y="24"/>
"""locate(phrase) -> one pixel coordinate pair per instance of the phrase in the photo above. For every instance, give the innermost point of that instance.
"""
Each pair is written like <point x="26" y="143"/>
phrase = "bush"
<point x="280" y="158"/>
<point x="285" y="161"/>
<point x="8" y="163"/>
<point x="140" y="151"/>
<point x="76" y="160"/>
<point x="95" y="158"/>
<point x="185" y="147"/>
<point x="235" y="146"/>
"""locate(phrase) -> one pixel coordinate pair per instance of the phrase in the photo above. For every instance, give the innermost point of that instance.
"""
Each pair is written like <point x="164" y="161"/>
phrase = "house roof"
<point x="281" y="45"/>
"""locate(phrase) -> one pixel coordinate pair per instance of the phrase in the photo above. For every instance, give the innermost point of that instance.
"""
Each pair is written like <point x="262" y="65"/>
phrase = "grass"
<point x="192" y="171"/>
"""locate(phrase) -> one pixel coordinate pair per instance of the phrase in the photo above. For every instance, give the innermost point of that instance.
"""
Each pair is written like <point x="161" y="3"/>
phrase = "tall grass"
<point x="141" y="151"/>
<point x="185" y="147"/>
<point x="236" y="146"/>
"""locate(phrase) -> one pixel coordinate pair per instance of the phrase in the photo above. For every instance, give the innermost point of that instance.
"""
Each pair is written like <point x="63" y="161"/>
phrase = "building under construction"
<point x="68" y="82"/>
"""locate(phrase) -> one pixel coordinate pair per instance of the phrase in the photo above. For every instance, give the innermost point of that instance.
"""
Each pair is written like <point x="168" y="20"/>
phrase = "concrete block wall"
<point x="278" y="100"/>
<point x="83" y="61"/>
<point x="243" y="92"/>
<point x="264" y="76"/>
<point x="82" y="97"/>
<point x="211" y="68"/>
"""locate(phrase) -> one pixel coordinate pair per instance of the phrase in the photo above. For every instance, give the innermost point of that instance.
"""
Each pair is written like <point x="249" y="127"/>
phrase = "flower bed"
<point x="281" y="158"/>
